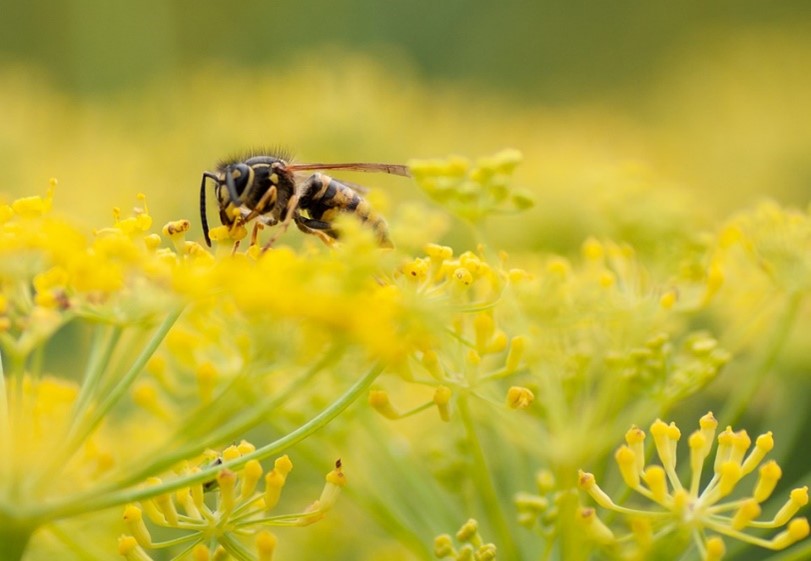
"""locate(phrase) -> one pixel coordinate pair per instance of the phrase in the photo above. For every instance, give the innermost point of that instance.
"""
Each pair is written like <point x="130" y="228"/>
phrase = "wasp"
<point x="279" y="192"/>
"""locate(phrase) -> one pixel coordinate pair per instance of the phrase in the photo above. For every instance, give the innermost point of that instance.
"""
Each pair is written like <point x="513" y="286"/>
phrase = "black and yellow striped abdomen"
<point x="324" y="198"/>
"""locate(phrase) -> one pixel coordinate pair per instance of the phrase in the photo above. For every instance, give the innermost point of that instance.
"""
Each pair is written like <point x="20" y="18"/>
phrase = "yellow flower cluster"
<point x="474" y="351"/>
<point x="473" y="547"/>
<point x="684" y="506"/>
<point x="775" y="239"/>
<point x="234" y="520"/>
<point x="126" y="352"/>
<point x="472" y="191"/>
<point x="161" y="343"/>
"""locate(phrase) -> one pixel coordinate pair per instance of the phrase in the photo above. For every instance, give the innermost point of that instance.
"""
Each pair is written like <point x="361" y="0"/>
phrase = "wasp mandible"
<point x="277" y="192"/>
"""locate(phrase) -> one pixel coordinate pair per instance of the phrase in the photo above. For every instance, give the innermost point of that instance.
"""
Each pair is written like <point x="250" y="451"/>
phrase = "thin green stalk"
<point x="212" y="430"/>
<point x="183" y="554"/>
<point x="394" y="527"/>
<point x="204" y="425"/>
<point x="737" y="404"/>
<point x="126" y="381"/>
<point x="409" y="481"/>
<point x="14" y="536"/>
<point x="486" y="487"/>
<point x="236" y="548"/>
<point x="35" y="363"/>
<point x="16" y="369"/>
<point x="76" y="544"/>
<point x="88" y="423"/>
<point x="5" y="427"/>
<point x="796" y="553"/>
<point x="101" y="497"/>
<point x="102" y="347"/>
<point x="389" y="514"/>
<point x="14" y="404"/>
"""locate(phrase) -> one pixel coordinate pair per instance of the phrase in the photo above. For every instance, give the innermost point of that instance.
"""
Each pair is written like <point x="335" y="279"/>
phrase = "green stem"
<point x="204" y="429"/>
<point x="423" y="502"/>
<point x="85" y="425"/>
<point x="737" y="404"/>
<point x="102" y="347"/>
<point x="126" y="381"/>
<point x="235" y="548"/>
<point x="104" y="342"/>
<point x="796" y="553"/>
<point x="211" y="428"/>
<point x="5" y="428"/>
<point x="35" y="365"/>
<point x="74" y="542"/>
<point x="14" y="537"/>
<point x="484" y="482"/>
<point x="101" y="498"/>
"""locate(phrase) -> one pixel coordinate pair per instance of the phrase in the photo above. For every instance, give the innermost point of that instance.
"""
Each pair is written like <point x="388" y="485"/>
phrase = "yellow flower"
<point x="234" y="520"/>
<point x="166" y="352"/>
<point x="473" y="191"/>
<point x="705" y="513"/>
<point x="471" y="544"/>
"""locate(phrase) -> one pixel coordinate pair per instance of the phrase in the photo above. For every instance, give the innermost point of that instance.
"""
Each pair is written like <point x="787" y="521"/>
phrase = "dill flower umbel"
<point x="471" y="545"/>
<point x="685" y="508"/>
<point x="472" y="191"/>
<point x="234" y="521"/>
<point x="126" y="352"/>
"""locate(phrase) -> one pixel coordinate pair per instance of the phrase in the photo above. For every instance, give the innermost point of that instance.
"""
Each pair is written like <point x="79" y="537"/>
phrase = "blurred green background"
<point x="614" y="104"/>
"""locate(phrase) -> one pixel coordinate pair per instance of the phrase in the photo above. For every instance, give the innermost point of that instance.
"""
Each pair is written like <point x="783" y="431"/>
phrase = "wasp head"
<point x="243" y="183"/>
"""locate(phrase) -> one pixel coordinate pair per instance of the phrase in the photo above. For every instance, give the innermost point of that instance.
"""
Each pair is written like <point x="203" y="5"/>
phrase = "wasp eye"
<point x="241" y="174"/>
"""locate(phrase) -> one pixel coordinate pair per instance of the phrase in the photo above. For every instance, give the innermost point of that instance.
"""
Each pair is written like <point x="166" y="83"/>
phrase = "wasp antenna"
<point x="203" y="218"/>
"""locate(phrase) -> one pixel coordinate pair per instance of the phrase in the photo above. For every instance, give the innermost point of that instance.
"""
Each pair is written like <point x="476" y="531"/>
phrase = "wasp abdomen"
<point x="326" y="197"/>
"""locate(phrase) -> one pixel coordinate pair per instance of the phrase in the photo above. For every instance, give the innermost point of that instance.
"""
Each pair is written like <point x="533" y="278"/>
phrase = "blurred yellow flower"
<point x="684" y="506"/>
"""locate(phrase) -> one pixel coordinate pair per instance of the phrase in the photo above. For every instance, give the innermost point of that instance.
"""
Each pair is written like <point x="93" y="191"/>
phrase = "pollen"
<point x="135" y="524"/>
<point x="595" y="528"/>
<point x="518" y="344"/>
<point x="519" y="397"/>
<point x="593" y="250"/>
<point x="438" y="252"/>
<point x="219" y="233"/>
<point x="128" y="548"/>
<point x="442" y="400"/>
<point x="770" y="474"/>
<point x="265" y="545"/>
<point x="668" y="299"/>
<point x="379" y="401"/>
<point x="29" y="207"/>
<point x="417" y="269"/>
<point x="715" y="549"/>
<point x="626" y="460"/>
<point x="176" y="228"/>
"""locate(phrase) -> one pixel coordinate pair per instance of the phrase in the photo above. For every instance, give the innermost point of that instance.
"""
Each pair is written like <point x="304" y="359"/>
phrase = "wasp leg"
<point x="317" y="228"/>
<point x="255" y="233"/>
<point x="268" y="198"/>
<point x="291" y="212"/>
<point x="314" y="184"/>
<point x="292" y="207"/>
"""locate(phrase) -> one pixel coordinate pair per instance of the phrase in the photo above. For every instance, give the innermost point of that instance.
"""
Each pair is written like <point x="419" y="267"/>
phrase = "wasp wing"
<point x="394" y="169"/>
<point x="361" y="189"/>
